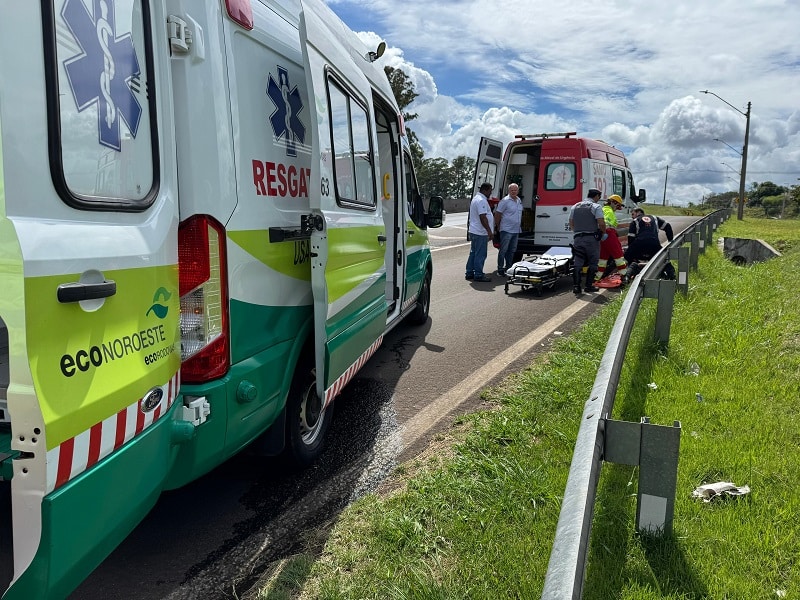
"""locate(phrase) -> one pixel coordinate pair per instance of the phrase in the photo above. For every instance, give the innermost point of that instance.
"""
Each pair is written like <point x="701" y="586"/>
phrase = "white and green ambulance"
<point x="208" y="222"/>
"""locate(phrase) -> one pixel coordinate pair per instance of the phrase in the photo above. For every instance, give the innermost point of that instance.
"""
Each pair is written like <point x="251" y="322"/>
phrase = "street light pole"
<point x="742" y="173"/>
<point x="740" y="213"/>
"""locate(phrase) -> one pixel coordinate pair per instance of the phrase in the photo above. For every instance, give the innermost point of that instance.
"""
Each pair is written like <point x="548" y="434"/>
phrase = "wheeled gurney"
<point x="540" y="272"/>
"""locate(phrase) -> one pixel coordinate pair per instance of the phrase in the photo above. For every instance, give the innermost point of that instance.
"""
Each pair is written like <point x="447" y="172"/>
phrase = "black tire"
<point x="419" y="315"/>
<point x="306" y="421"/>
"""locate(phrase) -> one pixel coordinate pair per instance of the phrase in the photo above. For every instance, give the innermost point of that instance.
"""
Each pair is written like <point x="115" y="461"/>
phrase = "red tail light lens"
<point x="240" y="11"/>
<point x="205" y="346"/>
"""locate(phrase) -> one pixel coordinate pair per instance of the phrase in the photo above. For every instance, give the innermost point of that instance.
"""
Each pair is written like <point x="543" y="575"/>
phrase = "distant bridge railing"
<point x="653" y="447"/>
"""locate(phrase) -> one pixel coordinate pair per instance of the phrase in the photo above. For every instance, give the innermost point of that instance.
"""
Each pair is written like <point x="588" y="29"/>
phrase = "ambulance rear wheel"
<point x="307" y="419"/>
<point x="420" y="313"/>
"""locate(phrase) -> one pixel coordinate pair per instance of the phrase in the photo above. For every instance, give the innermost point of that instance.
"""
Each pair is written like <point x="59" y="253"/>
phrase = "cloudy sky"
<point x="625" y="71"/>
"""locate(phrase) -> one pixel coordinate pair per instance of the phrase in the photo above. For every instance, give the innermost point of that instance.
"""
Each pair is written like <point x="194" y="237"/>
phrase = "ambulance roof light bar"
<point x="564" y="134"/>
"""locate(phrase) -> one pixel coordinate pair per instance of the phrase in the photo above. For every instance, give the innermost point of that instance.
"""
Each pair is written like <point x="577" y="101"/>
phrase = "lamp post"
<point x="731" y="168"/>
<point x="742" y="174"/>
<point x="728" y="145"/>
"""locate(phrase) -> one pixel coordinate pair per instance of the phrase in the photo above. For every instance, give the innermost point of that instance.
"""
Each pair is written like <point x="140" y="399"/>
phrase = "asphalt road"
<point x="215" y="537"/>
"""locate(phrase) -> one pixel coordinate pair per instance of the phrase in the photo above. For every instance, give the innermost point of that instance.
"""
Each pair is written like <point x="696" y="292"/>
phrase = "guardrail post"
<point x="664" y="291"/>
<point x="682" y="254"/>
<point x="710" y="227"/>
<point x="703" y="228"/>
<point x="655" y="450"/>
<point x="658" y="476"/>
<point x="694" y="254"/>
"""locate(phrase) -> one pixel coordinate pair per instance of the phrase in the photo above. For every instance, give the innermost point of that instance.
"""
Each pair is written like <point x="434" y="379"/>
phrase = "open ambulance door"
<point x="88" y="268"/>
<point x="487" y="167"/>
<point x="348" y="239"/>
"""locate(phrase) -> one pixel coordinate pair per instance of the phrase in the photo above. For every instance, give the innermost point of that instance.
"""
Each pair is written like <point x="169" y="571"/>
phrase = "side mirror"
<point x="435" y="216"/>
<point x="642" y="196"/>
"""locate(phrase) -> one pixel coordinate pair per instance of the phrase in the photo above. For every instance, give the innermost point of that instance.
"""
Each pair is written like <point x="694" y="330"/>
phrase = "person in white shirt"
<point x="480" y="232"/>
<point x="507" y="223"/>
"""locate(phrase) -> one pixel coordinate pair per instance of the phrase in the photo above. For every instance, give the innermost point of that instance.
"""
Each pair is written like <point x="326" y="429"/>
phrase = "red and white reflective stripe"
<point x="345" y="377"/>
<point x="75" y="455"/>
<point x="409" y="302"/>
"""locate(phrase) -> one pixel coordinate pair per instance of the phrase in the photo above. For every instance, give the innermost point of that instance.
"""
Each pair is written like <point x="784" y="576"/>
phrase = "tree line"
<point x="763" y="199"/>
<point x="435" y="176"/>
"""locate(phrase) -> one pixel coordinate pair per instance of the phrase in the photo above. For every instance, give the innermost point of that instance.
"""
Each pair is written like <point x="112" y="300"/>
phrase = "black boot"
<point x="590" y="286"/>
<point x="576" y="281"/>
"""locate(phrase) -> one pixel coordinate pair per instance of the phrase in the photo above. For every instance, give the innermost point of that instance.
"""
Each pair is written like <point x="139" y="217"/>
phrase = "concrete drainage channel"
<point x="743" y="251"/>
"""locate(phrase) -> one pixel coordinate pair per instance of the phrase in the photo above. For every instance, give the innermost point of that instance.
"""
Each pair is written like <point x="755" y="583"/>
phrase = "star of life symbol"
<point x="104" y="71"/>
<point x="285" y="120"/>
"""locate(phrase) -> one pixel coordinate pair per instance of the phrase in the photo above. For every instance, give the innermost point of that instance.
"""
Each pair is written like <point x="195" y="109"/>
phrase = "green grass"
<point x="475" y="517"/>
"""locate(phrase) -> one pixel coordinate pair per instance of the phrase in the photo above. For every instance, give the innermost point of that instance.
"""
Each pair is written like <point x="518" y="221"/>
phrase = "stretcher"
<point x="540" y="272"/>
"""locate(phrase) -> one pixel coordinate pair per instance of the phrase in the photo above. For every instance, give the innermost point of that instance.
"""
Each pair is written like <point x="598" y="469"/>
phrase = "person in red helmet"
<point x="610" y="248"/>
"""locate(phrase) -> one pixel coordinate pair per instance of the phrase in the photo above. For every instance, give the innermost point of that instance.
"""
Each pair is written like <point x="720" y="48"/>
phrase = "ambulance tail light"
<point x="205" y="344"/>
<point x="240" y="11"/>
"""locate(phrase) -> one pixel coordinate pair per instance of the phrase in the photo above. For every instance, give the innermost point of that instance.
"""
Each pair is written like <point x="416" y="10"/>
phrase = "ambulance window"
<point x="487" y="172"/>
<point x="560" y="176"/>
<point x="631" y="188"/>
<point x="353" y="167"/>
<point x="618" y="181"/>
<point x="413" y="198"/>
<point x="102" y="112"/>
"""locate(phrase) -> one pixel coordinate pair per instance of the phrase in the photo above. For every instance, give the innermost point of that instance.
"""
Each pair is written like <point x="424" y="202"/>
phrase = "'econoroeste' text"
<point x="107" y="352"/>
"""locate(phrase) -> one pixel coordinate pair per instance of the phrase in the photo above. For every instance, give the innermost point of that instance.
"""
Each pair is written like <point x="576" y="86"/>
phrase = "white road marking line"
<point x="437" y="410"/>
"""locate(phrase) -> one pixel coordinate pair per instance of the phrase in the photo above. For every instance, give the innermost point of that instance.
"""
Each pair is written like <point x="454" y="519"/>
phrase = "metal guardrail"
<point x="566" y="570"/>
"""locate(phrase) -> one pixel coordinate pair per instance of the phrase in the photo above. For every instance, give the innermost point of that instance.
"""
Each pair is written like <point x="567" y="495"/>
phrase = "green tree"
<point x="463" y="172"/>
<point x="723" y="200"/>
<point x="404" y="94"/>
<point x="403" y="90"/>
<point x="434" y="177"/>
<point x="762" y="190"/>
<point x="772" y="205"/>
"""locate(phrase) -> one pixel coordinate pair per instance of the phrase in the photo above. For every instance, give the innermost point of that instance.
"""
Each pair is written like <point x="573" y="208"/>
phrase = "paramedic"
<point x="588" y="224"/>
<point x="507" y="221"/>
<point x="611" y="248"/>
<point x="643" y="242"/>
<point x="480" y="232"/>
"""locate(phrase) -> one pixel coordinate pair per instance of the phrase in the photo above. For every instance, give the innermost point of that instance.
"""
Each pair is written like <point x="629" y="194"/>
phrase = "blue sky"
<point x="625" y="71"/>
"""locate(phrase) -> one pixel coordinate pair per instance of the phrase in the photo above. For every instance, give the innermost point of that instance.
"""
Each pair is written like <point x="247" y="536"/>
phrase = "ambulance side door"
<point x="348" y="239"/>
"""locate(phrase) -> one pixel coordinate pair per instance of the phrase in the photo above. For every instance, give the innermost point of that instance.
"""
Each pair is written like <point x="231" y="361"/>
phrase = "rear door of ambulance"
<point x="488" y="167"/>
<point x="348" y="242"/>
<point x="88" y="272"/>
<point x="560" y="187"/>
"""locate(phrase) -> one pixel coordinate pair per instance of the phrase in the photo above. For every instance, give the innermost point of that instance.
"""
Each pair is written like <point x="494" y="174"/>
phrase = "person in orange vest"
<point x="610" y="248"/>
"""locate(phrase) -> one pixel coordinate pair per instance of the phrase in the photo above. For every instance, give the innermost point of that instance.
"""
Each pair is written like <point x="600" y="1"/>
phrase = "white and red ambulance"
<point x="555" y="171"/>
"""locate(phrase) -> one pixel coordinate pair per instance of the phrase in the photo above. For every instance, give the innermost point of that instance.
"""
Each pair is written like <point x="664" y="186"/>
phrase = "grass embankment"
<point x="475" y="517"/>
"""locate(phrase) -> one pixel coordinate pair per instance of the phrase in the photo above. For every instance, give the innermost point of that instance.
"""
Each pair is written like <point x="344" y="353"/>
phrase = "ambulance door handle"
<point x="76" y="291"/>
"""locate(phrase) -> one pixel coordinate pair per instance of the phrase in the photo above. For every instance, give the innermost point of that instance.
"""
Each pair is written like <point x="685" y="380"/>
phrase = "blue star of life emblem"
<point x="103" y="72"/>
<point x="285" y="120"/>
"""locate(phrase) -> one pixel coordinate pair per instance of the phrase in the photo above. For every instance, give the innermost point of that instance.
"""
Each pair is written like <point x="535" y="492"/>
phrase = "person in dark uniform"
<point x="643" y="242"/>
<point x="587" y="222"/>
